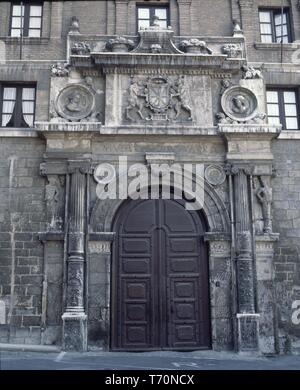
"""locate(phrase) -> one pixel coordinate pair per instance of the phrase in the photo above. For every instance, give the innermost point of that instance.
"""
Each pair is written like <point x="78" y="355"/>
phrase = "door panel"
<point x="159" y="278"/>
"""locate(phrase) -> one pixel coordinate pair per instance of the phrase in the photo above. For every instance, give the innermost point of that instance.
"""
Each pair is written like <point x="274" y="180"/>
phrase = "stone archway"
<point x="218" y="237"/>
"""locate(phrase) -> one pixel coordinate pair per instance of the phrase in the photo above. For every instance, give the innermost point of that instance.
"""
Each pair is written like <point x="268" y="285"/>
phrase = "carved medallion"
<point x="75" y="102"/>
<point x="215" y="175"/>
<point x="239" y="104"/>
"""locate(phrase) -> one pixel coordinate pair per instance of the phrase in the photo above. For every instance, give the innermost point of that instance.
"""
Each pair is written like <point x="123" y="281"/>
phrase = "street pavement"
<point x="102" y="360"/>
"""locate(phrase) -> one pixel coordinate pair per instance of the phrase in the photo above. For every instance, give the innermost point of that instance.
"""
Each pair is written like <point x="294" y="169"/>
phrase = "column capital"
<point x="83" y="166"/>
<point x="234" y="169"/>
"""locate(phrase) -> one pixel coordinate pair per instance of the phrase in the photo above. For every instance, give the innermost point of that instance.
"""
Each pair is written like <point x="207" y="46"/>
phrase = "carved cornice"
<point x="169" y="71"/>
<point x="255" y="129"/>
<point x="68" y="126"/>
<point x="132" y="61"/>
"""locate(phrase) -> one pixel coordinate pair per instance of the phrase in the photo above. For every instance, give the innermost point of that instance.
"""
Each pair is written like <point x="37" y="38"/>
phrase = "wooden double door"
<point x="159" y="293"/>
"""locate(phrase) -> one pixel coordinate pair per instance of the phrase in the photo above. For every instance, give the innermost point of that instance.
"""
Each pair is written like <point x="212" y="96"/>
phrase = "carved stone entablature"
<point x="233" y="50"/>
<point x="60" y="69"/>
<point x="249" y="72"/>
<point x="75" y="103"/>
<point x="119" y="44"/>
<point x="196" y="46"/>
<point x="80" y="48"/>
<point x="158" y="99"/>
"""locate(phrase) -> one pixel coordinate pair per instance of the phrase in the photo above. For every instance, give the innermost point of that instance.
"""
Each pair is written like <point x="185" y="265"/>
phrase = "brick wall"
<point x="21" y="253"/>
<point x="286" y="214"/>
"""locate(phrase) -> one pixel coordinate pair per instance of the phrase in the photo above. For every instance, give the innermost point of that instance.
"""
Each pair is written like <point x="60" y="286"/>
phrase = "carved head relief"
<point x="75" y="102"/>
<point x="239" y="104"/>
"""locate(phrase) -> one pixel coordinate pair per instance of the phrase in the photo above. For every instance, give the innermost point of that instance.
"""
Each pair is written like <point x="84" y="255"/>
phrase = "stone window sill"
<point x="25" y="40"/>
<point x="7" y="132"/>
<point x="276" y="46"/>
<point x="289" y="134"/>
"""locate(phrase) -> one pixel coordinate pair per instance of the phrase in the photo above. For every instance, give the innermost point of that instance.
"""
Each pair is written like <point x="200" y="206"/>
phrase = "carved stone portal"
<point x="159" y="99"/>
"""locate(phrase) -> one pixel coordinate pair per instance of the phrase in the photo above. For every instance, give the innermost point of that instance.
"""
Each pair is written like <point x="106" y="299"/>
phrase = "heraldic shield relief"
<point x="159" y="99"/>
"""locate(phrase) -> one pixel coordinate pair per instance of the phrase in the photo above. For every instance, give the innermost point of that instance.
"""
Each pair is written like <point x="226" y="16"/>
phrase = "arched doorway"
<point x="159" y="289"/>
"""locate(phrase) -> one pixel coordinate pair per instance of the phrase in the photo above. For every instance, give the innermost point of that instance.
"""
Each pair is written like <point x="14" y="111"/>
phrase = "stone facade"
<point x="97" y="88"/>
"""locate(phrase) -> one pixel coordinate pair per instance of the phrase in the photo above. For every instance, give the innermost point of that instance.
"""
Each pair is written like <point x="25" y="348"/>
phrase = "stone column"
<point x="247" y="318"/>
<point x="74" y="317"/>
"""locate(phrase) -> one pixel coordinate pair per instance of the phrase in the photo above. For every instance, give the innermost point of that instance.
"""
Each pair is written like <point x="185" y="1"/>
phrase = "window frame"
<point x="152" y="8"/>
<point x="282" y="117"/>
<point x="17" y="115"/>
<point x="273" y="12"/>
<point x="26" y="19"/>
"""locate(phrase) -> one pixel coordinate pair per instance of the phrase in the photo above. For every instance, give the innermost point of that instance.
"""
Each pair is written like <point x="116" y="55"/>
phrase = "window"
<point x="275" y="25"/>
<point x="17" y="105"/>
<point x="282" y="105"/>
<point x="146" y="14"/>
<point x="26" y="19"/>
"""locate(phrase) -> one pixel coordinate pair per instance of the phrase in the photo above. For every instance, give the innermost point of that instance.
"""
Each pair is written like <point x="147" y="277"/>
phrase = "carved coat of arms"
<point x="159" y="99"/>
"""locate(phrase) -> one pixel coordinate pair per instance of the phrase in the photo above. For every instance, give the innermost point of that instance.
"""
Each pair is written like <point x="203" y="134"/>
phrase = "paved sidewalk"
<point x="199" y="360"/>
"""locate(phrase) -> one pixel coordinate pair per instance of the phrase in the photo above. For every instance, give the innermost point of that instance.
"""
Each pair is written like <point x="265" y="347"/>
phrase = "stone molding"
<point x="158" y="70"/>
<point x="100" y="247"/>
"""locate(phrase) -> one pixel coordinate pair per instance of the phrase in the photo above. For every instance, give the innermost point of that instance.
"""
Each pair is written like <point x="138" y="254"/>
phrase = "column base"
<point x="74" y="332"/>
<point x="248" y="332"/>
